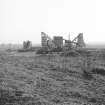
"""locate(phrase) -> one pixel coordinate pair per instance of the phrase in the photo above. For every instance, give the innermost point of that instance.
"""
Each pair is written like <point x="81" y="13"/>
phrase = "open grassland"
<point x="29" y="79"/>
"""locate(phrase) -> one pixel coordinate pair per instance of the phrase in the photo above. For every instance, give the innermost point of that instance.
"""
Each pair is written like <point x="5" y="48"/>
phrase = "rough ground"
<point x="27" y="79"/>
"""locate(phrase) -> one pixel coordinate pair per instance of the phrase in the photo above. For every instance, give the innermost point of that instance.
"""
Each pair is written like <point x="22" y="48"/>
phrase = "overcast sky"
<point x="25" y="19"/>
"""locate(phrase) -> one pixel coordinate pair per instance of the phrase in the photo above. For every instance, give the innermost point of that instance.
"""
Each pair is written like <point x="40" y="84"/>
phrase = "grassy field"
<point x="30" y="79"/>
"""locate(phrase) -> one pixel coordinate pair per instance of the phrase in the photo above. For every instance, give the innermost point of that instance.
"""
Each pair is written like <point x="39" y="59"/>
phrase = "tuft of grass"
<point x="93" y="100"/>
<point x="100" y="71"/>
<point x="87" y="75"/>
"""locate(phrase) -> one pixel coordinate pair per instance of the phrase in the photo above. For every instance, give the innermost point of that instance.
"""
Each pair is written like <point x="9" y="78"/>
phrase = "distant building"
<point x="58" y="41"/>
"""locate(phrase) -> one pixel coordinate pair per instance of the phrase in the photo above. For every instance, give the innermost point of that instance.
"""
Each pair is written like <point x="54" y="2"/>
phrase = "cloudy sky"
<point x="25" y="19"/>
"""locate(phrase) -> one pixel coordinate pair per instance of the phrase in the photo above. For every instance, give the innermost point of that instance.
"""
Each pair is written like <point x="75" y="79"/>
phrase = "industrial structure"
<point x="44" y="39"/>
<point x="80" y="40"/>
<point x="58" y="41"/>
<point x="27" y="44"/>
<point x="56" y="44"/>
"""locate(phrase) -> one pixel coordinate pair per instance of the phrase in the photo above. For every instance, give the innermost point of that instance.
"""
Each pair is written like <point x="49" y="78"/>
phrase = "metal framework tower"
<point x="80" y="40"/>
